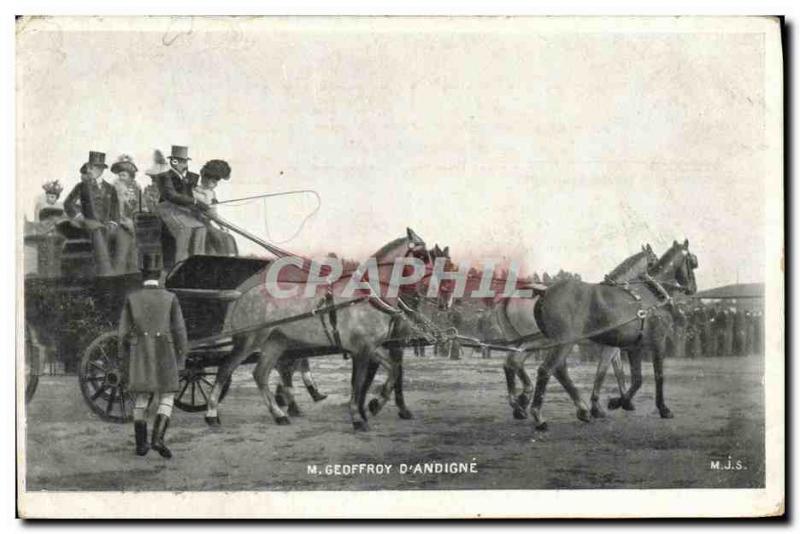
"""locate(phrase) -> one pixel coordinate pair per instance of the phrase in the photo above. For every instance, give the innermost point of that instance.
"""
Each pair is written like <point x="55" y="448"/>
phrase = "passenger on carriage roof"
<point x="178" y="208"/>
<point x="218" y="241"/>
<point x="93" y="205"/>
<point x="129" y="193"/>
<point x="48" y="206"/>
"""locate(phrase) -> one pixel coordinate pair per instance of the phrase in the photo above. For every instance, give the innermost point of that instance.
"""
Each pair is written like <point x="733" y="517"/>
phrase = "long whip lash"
<point x="264" y="196"/>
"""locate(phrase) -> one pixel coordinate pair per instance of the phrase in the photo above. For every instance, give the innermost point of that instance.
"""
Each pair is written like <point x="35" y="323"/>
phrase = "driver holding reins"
<point x="178" y="208"/>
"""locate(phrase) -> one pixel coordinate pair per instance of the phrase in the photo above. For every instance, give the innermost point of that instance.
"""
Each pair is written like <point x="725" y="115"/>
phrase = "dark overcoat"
<point x="173" y="188"/>
<point x="153" y="340"/>
<point x="98" y="201"/>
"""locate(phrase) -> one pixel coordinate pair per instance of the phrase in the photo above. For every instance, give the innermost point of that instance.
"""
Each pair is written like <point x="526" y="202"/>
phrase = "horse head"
<point x="444" y="297"/>
<point x="652" y="257"/>
<point x="634" y="266"/>
<point x="678" y="265"/>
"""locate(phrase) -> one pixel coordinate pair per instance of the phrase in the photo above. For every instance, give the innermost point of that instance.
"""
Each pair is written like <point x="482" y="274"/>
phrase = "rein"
<point x="641" y="314"/>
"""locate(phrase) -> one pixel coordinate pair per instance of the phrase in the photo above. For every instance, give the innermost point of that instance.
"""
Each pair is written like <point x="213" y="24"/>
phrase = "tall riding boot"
<point x="159" y="429"/>
<point x="140" y="430"/>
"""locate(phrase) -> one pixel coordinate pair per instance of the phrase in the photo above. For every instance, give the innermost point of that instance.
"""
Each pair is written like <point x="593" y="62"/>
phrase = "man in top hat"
<point x="178" y="208"/>
<point x="93" y="205"/>
<point x="153" y="343"/>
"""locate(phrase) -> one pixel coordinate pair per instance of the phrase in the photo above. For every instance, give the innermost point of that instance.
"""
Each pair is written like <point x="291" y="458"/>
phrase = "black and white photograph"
<point x="418" y="267"/>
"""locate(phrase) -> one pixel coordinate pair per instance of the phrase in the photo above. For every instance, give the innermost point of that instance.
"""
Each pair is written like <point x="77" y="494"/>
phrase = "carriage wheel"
<point x="102" y="381"/>
<point x="33" y="362"/>
<point x="194" y="388"/>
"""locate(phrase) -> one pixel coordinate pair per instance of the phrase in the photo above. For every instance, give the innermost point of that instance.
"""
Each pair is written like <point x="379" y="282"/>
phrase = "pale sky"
<point x="556" y="149"/>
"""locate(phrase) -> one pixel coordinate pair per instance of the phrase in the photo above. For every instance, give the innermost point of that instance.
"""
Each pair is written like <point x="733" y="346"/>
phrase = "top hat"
<point x="97" y="158"/>
<point x="152" y="262"/>
<point x="180" y="152"/>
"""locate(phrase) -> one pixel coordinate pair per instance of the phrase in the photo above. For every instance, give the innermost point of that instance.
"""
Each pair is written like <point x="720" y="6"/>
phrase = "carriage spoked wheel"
<point x="194" y="387"/>
<point x="102" y="380"/>
<point x="33" y="362"/>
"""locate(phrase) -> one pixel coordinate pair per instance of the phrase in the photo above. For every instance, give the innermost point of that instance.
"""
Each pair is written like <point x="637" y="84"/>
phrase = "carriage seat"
<point x="77" y="252"/>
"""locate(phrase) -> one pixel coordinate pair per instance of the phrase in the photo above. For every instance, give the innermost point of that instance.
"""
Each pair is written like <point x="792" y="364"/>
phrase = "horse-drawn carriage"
<point x="71" y="314"/>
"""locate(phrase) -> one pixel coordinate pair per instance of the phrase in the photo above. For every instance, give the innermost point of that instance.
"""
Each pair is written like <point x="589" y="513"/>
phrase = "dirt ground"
<point x="461" y="415"/>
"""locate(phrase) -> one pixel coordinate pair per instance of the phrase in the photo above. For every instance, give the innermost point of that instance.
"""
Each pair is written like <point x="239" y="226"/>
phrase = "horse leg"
<point x="396" y="354"/>
<point x="286" y="370"/>
<point x="625" y="401"/>
<point x="562" y="375"/>
<point x="386" y="361"/>
<point x="224" y="373"/>
<point x="524" y="398"/>
<point x="358" y="383"/>
<point x="369" y="378"/>
<point x="270" y="353"/>
<point x="308" y="381"/>
<point x="619" y="371"/>
<point x="510" y="369"/>
<point x="658" y="371"/>
<point x="280" y="394"/>
<point x="543" y="373"/>
<point x="607" y="356"/>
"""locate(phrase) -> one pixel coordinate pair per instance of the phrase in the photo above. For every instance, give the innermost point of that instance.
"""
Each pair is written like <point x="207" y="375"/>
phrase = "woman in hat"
<point x="218" y="241"/>
<point x="48" y="206"/>
<point x="129" y="194"/>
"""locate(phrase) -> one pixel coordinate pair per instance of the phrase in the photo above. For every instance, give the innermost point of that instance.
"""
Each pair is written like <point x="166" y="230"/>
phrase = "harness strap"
<point x="337" y="339"/>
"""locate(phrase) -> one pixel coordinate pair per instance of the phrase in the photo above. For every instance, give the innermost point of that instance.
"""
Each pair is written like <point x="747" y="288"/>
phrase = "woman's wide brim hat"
<point x="124" y="165"/>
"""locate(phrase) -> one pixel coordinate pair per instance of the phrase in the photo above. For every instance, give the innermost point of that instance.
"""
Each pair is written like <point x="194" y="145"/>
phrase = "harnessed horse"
<point x="636" y="317"/>
<point x="517" y="320"/>
<point x="363" y="326"/>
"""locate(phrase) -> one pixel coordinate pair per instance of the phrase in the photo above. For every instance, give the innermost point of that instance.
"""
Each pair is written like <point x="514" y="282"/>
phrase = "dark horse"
<point x="516" y="318"/>
<point x="636" y="317"/>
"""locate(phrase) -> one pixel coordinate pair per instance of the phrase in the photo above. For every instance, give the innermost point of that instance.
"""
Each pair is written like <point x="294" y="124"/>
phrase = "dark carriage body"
<point x="67" y="313"/>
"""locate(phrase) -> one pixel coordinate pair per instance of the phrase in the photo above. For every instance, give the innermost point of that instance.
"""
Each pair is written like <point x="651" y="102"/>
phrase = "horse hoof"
<point x="542" y="427"/>
<point x="598" y="412"/>
<point x="319" y="397"/>
<point x="374" y="406"/>
<point x="523" y="400"/>
<point x="405" y="414"/>
<point x="519" y="413"/>
<point x="360" y="426"/>
<point x="294" y="411"/>
<point x="628" y="406"/>
<point x="213" y="421"/>
<point x="283" y="420"/>
<point x="666" y="413"/>
<point x="583" y="415"/>
<point x="614" y="403"/>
